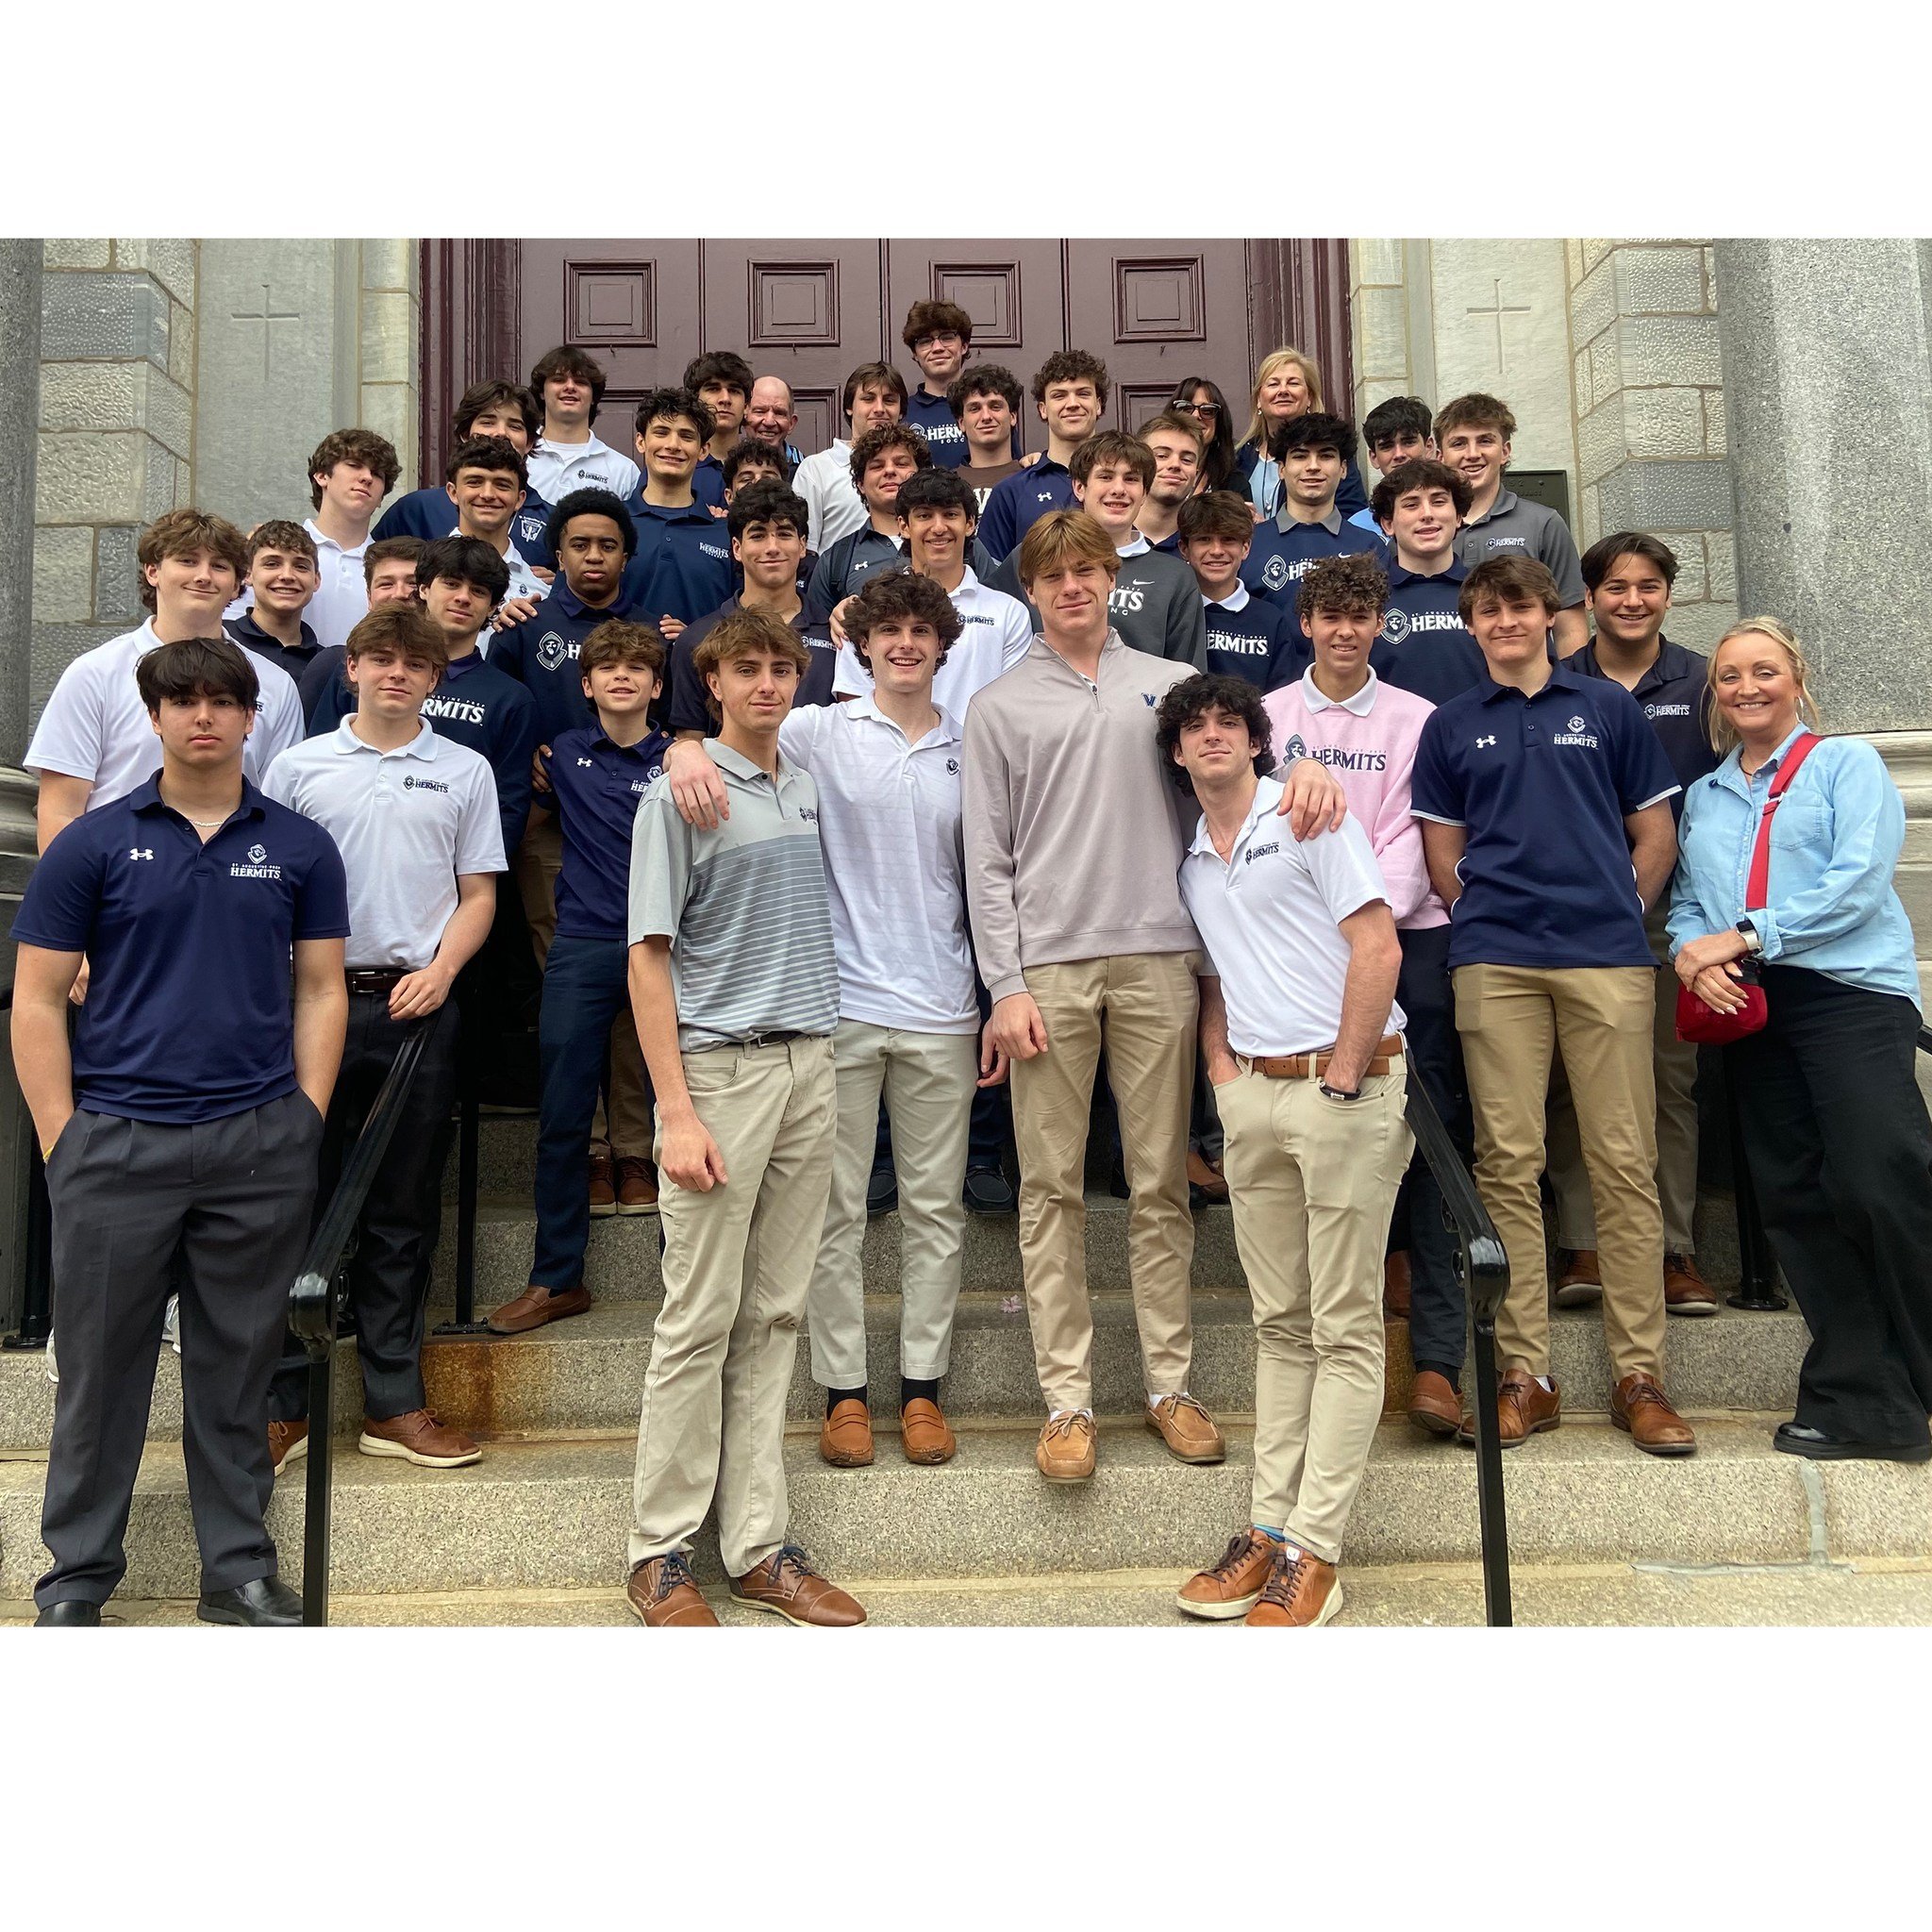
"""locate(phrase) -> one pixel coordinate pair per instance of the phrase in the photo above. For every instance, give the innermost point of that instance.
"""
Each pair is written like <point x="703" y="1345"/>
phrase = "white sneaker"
<point x="171" y="1323"/>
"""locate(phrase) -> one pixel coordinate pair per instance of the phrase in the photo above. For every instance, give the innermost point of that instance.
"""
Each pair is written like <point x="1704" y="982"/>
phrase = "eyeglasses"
<point x="1199" y="409"/>
<point x="941" y="339"/>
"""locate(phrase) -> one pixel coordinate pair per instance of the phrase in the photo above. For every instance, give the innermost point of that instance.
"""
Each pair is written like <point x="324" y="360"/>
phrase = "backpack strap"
<point x="1759" y="887"/>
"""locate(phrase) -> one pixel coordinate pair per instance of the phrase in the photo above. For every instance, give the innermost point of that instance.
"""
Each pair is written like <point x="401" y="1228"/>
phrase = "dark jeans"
<point x="383" y="1277"/>
<point x="218" y="1212"/>
<point x="1438" y="1314"/>
<point x="1841" y="1152"/>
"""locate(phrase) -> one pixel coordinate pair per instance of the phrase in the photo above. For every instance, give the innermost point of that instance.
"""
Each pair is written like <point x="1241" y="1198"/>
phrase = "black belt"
<point x="375" y="979"/>
<point x="772" y="1038"/>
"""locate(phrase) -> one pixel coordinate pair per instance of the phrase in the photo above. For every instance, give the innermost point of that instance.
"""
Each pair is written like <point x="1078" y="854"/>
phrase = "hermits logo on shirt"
<point x="713" y="550"/>
<point x="1395" y="626"/>
<point x="415" y="784"/>
<point x="1254" y="852"/>
<point x="1577" y="733"/>
<point x="1296" y="747"/>
<point x="552" y="650"/>
<point x="1274" y="572"/>
<point x="257" y="867"/>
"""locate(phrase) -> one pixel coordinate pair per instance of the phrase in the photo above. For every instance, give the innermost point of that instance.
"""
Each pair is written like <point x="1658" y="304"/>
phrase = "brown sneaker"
<point x="845" y="1435"/>
<point x="1395" y="1286"/>
<point x="1302" y="1592"/>
<point x="1685" y="1291"/>
<point x="662" y="1592"/>
<point x="1578" y="1282"/>
<point x="637" y="1185"/>
<point x="1186" y="1429"/>
<point x="1523" y="1408"/>
<point x="1065" y="1451"/>
<point x="1206" y="1175"/>
<point x="286" y="1442"/>
<point x="924" y="1433"/>
<point x="537" y="1306"/>
<point x="1233" y="1586"/>
<point x="1434" y="1406"/>
<point x="787" y="1585"/>
<point x="418" y="1438"/>
<point x="602" y="1195"/>
<point x="1639" y="1406"/>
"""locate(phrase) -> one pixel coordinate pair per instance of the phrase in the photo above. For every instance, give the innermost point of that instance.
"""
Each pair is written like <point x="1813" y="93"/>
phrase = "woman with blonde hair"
<point x="1834" y="1128"/>
<point x="1287" y="385"/>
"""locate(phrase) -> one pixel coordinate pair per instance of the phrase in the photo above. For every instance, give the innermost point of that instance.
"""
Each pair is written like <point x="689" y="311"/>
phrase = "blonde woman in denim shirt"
<point x="1834" y="1128"/>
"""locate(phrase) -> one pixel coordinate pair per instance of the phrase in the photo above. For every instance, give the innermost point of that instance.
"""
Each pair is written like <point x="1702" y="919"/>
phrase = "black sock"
<point x="835" y="1396"/>
<point x="910" y="1391"/>
<point x="1449" y="1375"/>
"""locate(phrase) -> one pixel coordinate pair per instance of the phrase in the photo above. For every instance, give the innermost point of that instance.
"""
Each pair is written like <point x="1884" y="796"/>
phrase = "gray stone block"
<point x="1670" y="349"/>
<point x="1376" y="261"/>
<point x="1668" y="496"/>
<point x="90" y="476"/>
<point x="64" y="574"/>
<point x="158" y="486"/>
<point x="122" y="316"/>
<point x="181" y="338"/>
<point x="54" y="647"/>
<point x="92" y="395"/>
<point x="389" y="264"/>
<point x="1721" y="548"/>
<point x="1601" y="442"/>
<point x="117" y="576"/>
<point x="87" y="252"/>
<point x="170" y="418"/>
<point x="170" y="261"/>
<point x="1659" y="281"/>
<point x="1664" y="421"/>
<point x="1594" y="303"/>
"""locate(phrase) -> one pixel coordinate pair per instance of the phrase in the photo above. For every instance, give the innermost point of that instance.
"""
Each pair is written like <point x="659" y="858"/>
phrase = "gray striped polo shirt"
<point x="745" y="907"/>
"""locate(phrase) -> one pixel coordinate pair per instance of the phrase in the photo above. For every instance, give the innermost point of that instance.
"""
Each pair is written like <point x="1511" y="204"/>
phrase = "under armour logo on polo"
<point x="136" y="852"/>
<point x="1481" y="741"/>
<point x="587" y="762"/>
<point x="1047" y="497"/>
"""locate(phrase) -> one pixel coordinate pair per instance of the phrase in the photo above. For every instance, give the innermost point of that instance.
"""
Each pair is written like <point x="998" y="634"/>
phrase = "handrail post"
<point x="1757" y="1289"/>
<point x="1491" y="1516"/>
<point x="467" y="1133"/>
<point x="319" y="1499"/>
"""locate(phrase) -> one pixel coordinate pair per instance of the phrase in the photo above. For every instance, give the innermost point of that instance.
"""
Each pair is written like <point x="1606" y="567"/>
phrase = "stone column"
<point x="20" y="400"/>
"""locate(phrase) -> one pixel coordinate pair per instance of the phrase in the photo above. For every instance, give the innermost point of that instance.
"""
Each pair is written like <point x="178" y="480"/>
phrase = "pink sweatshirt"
<point x="1369" y="743"/>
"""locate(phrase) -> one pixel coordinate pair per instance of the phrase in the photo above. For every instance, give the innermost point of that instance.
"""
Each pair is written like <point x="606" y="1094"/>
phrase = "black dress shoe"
<point x="70" y="1615"/>
<point x="1796" y="1439"/>
<point x="267" y="1603"/>
<point x="987" y="1191"/>
<point x="881" y="1192"/>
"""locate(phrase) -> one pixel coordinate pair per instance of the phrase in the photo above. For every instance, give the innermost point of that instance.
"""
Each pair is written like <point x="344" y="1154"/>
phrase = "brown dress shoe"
<point x="1579" y="1283"/>
<point x="418" y="1438"/>
<point x="1523" y="1408"/>
<point x="661" y="1591"/>
<point x="637" y="1185"/>
<point x="1434" y="1406"/>
<point x="787" y="1585"/>
<point x="1395" y="1286"/>
<point x="602" y="1195"/>
<point x="537" y="1306"/>
<point x="1303" y="1592"/>
<point x="1064" y="1453"/>
<point x="1233" y="1586"/>
<point x="1639" y="1406"/>
<point x="1685" y="1291"/>
<point x="1206" y="1175"/>
<point x="1186" y="1429"/>
<point x="845" y="1434"/>
<point x="286" y="1442"/>
<point x="924" y="1433"/>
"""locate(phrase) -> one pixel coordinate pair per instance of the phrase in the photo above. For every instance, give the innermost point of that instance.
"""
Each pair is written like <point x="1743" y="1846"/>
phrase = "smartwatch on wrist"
<point x="1753" y="944"/>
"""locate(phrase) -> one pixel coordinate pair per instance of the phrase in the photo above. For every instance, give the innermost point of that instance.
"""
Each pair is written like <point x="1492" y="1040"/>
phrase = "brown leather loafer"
<point x="1434" y="1406"/>
<point x="637" y="1185"/>
<point x="1186" y="1429"/>
<point x="662" y="1592"/>
<point x="787" y="1585"/>
<point x="603" y="1195"/>
<point x="1580" y="1282"/>
<point x="924" y="1433"/>
<point x="1639" y="1406"/>
<point x="1395" y="1286"/>
<point x="1233" y="1586"/>
<point x="1524" y="1409"/>
<point x="537" y="1306"/>
<point x="418" y="1438"/>
<point x="1301" y="1593"/>
<point x="1685" y="1291"/>
<point x="286" y="1442"/>
<point x="1065" y="1450"/>
<point x="845" y="1435"/>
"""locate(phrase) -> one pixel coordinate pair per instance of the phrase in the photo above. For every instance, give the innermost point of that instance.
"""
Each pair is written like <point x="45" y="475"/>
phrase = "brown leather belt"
<point x="1311" y="1066"/>
<point x="373" y="980"/>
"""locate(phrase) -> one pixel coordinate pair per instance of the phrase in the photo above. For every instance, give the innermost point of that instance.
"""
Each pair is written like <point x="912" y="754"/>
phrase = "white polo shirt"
<point x="554" y="469"/>
<point x="1271" y="917"/>
<point x="835" y="507"/>
<point x="997" y="634"/>
<point x="406" y="821"/>
<point x="523" y="581"/>
<point x="895" y="864"/>
<point x="96" y="727"/>
<point x="341" y="597"/>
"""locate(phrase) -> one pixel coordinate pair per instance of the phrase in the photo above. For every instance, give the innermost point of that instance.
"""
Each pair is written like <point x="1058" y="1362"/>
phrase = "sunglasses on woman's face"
<point x="1200" y="409"/>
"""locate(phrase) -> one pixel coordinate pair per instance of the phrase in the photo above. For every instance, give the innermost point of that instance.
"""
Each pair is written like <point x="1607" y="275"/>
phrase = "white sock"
<point x="1154" y="1400"/>
<point x="1548" y="1387"/>
<point x="1055" y="1415"/>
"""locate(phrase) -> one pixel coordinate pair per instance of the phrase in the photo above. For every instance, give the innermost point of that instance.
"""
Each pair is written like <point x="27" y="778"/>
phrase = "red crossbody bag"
<point x="1705" y="1026"/>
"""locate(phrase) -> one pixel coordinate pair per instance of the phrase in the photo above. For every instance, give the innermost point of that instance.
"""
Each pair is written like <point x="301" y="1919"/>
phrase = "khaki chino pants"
<point x="1313" y="1182"/>
<point x="1144" y="1007"/>
<point x="1513" y="1020"/>
<point x="736" y="1262"/>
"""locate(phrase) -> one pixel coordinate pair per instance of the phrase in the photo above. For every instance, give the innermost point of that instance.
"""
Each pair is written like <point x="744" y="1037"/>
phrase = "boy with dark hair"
<point x="735" y="989"/>
<point x="680" y="566"/>
<point x="389" y="569"/>
<point x="939" y="335"/>
<point x="1247" y="636"/>
<point x="1424" y="647"/>
<point x="875" y="395"/>
<point x="569" y="384"/>
<point x="1070" y="391"/>
<point x="749" y="460"/>
<point x="488" y="408"/>
<point x="281" y="582"/>
<point x="882" y="459"/>
<point x="1311" y="452"/>
<point x="985" y="402"/>
<point x="180" y="1111"/>
<point x="599" y="772"/>
<point x="349" y="475"/>
<point x="487" y="484"/>
<point x="415" y="817"/>
<point x="1474" y="433"/>
<point x="1176" y="443"/>
<point x="721" y="380"/>
<point x="1399" y="429"/>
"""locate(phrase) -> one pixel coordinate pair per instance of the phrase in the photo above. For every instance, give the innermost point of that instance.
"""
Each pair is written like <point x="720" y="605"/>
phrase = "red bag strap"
<point x="1759" y="886"/>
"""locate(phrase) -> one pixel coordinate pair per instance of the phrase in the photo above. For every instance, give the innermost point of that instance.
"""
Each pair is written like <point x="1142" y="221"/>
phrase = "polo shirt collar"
<point x="945" y="732"/>
<point x="739" y="766"/>
<point x="968" y="584"/>
<point x="1046" y="466"/>
<point x="1399" y="576"/>
<point x="249" y="622"/>
<point x="1139" y="547"/>
<point x="1506" y="501"/>
<point x="1560" y="678"/>
<point x="461" y="667"/>
<point x="601" y="739"/>
<point x="146" y="797"/>
<point x="314" y="529"/>
<point x="1673" y="661"/>
<point x="1359" y="706"/>
<point x="573" y="606"/>
<point x="1267" y="796"/>
<point x="1331" y="522"/>
<point x="425" y="745"/>
<point x="1240" y="601"/>
<point x="692" y="511"/>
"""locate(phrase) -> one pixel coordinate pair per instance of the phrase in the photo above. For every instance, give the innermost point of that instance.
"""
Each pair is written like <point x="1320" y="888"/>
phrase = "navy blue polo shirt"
<point x="430" y="514"/>
<point x="1674" y="695"/>
<point x="594" y="788"/>
<point x="708" y="484"/>
<point x="1349" y="495"/>
<point x="1424" y="645"/>
<point x="1282" y="550"/>
<point x="1019" y="501"/>
<point x="541" y="654"/>
<point x="682" y="566"/>
<point x="1171" y="544"/>
<point x="1542" y="786"/>
<point x="686" y="706"/>
<point x="932" y="416"/>
<point x="1259" y="642"/>
<point x="294" y="659"/>
<point x="188" y="1013"/>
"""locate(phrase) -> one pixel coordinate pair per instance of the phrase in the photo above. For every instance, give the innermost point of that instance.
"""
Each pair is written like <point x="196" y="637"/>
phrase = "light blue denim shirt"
<point x="1835" y="840"/>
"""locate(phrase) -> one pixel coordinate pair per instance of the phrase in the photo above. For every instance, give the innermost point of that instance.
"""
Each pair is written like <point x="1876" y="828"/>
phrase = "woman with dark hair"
<point x="1196" y="396"/>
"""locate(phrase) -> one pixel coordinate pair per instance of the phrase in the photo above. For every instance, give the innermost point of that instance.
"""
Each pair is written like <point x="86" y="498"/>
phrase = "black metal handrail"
<point x="315" y="1303"/>
<point x="1485" y="1267"/>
